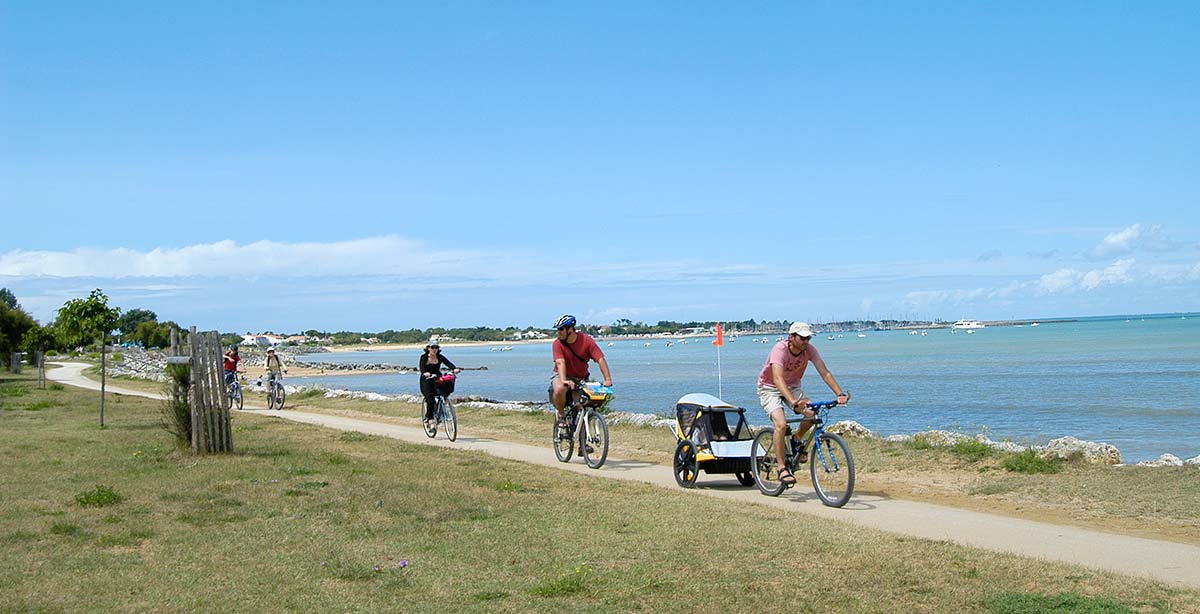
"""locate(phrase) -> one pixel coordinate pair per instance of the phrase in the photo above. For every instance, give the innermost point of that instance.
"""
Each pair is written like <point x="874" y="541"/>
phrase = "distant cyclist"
<point x="274" y="367"/>
<point x="231" y="364"/>
<point x="779" y="385"/>
<point x="431" y="369"/>
<point x="572" y="351"/>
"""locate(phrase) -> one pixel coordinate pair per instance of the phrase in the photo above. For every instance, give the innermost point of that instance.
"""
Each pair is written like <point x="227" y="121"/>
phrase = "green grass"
<point x="402" y="527"/>
<point x="1036" y="603"/>
<point x="99" y="496"/>
<point x="1030" y="461"/>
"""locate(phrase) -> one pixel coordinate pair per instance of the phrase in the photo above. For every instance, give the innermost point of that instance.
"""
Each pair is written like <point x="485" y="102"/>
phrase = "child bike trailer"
<point x="714" y="437"/>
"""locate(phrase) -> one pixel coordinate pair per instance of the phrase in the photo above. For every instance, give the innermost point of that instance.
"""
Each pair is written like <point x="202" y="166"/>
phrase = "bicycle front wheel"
<point x="564" y="443"/>
<point x="832" y="469"/>
<point x="594" y="443"/>
<point x="430" y="425"/>
<point x="238" y="398"/>
<point x="451" y="419"/>
<point x="765" y="464"/>
<point x="280" y="395"/>
<point x="270" y="397"/>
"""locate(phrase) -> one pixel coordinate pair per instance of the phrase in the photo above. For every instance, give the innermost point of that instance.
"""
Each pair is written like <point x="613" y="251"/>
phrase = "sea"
<point x="1130" y="381"/>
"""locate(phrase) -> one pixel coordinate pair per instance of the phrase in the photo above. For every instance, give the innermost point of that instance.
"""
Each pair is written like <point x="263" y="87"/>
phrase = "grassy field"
<point x="1153" y="502"/>
<point x="1159" y="502"/>
<point x="302" y="518"/>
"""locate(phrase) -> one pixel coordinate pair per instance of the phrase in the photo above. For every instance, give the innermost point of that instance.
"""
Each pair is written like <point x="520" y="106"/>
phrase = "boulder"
<point x="1166" y="460"/>
<point x="1092" y="452"/>
<point x="940" y="439"/>
<point x="850" y="428"/>
<point x="1006" y="446"/>
<point x="898" y="438"/>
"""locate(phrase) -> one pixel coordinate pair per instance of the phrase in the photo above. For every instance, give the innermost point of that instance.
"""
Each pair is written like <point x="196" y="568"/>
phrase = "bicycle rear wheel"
<point x="764" y="463"/>
<point x="832" y="469"/>
<point x="451" y="419"/>
<point x="564" y="443"/>
<point x="594" y="443"/>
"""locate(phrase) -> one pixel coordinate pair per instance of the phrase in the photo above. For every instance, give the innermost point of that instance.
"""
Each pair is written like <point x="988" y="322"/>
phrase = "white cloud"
<point x="1061" y="280"/>
<point x="1114" y="274"/>
<point x="378" y="255"/>
<point x="1131" y="238"/>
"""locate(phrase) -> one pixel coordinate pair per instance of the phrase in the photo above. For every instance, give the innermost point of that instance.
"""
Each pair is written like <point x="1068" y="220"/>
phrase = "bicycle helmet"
<point x="565" y="321"/>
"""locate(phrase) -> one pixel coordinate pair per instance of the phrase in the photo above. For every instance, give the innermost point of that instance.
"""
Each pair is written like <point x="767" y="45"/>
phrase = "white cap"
<point x="800" y="328"/>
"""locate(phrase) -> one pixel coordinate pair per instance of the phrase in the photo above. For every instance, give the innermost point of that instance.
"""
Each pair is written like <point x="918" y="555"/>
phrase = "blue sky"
<point x="284" y="166"/>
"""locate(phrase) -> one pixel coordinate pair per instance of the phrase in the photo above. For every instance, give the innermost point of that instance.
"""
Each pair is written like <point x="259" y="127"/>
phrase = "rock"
<point x="850" y="428"/>
<point x="941" y="438"/>
<point x="898" y="438"/>
<point x="1006" y="446"/>
<point x="1092" y="452"/>
<point x="1195" y="460"/>
<point x="1166" y="460"/>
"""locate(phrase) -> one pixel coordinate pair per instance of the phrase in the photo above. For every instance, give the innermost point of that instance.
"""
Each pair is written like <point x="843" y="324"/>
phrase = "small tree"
<point x="82" y="321"/>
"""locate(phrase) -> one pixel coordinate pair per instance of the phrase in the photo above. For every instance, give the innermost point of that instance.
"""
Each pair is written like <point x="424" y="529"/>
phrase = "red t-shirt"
<point x="585" y="347"/>
<point x="231" y="362"/>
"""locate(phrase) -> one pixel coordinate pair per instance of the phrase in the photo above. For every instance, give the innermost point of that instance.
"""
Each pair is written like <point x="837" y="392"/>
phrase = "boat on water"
<point x="1035" y="324"/>
<point x="967" y="324"/>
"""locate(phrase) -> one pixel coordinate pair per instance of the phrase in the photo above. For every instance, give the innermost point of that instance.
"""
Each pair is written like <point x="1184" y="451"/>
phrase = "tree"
<point x="129" y="321"/>
<point x="8" y="298"/>
<point x="39" y="339"/>
<point x="14" y="323"/>
<point x="82" y="321"/>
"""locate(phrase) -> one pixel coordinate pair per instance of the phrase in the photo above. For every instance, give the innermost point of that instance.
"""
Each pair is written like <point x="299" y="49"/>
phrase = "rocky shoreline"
<point x="147" y="365"/>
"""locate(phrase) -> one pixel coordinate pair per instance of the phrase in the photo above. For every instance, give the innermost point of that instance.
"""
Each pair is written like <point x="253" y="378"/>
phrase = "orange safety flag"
<point x="720" y="340"/>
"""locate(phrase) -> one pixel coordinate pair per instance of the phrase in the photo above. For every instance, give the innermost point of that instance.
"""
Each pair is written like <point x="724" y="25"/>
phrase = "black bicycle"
<point x="443" y="412"/>
<point x="829" y="461"/>
<point x="275" y="392"/>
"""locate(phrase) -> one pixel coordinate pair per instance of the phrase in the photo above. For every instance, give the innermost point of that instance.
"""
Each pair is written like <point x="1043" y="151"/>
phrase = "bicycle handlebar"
<point x="816" y="406"/>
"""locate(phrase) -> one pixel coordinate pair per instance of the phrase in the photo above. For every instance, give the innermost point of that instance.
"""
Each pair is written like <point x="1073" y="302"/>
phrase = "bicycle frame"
<point x="818" y="428"/>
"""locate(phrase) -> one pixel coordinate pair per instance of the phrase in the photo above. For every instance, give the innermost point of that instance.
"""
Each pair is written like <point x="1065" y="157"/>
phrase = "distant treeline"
<point x="620" y="327"/>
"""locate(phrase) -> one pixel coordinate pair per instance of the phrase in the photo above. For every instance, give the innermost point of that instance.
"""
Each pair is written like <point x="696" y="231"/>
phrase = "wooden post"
<point x="102" y="382"/>
<point x="39" y="357"/>
<point x="197" y="386"/>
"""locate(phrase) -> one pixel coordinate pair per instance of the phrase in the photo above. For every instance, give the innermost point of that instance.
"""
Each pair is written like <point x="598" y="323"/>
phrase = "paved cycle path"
<point x="1170" y="562"/>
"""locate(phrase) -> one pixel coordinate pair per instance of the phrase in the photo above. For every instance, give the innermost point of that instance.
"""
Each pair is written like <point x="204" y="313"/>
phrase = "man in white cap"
<point x="779" y="386"/>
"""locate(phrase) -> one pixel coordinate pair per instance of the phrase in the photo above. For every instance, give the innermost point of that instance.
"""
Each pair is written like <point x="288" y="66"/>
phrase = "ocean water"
<point x="1131" y="381"/>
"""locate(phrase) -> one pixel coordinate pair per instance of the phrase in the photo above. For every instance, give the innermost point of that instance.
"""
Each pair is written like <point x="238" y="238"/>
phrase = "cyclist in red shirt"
<point x="572" y="351"/>
<point x="231" y="364"/>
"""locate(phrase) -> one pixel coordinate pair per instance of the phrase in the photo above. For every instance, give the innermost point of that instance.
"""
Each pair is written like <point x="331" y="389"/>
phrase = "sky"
<point x="289" y="166"/>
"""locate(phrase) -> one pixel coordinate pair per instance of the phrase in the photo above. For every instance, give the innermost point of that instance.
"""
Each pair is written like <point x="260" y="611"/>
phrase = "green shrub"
<point x="99" y="496"/>
<point x="56" y="387"/>
<point x="1030" y="461"/>
<point x="972" y="450"/>
<point x="1034" y="603"/>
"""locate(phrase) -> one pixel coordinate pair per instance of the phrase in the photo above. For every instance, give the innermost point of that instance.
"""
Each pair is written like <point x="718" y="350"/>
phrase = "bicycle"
<point x="276" y="395"/>
<point x="233" y="394"/>
<point x="586" y="401"/>
<point x="830" y="464"/>
<point x="443" y="412"/>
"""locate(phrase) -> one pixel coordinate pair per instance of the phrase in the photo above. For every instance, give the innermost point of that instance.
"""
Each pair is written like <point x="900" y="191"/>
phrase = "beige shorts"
<point x="772" y="400"/>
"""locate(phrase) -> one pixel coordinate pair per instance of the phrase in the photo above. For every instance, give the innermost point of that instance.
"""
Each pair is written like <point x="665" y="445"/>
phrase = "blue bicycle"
<point x="233" y="394"/>
<point x="829" y="461"/>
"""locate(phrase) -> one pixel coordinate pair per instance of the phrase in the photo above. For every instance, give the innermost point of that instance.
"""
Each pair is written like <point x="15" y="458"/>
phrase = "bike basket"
<point x="445" y="384"/>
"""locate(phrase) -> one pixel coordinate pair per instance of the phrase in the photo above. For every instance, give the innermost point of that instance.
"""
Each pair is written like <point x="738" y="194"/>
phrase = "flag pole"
<point x="719" y="341"/>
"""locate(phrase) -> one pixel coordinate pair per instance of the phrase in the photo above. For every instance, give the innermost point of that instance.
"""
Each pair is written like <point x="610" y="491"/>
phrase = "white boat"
<point x="830" y="337"/>
<point x="861" y="335"/>
<point x="967" y="324"/>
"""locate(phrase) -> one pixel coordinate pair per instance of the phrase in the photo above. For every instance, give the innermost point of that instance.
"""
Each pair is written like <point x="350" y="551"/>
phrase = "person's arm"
<point x="446" y="361"/>
<point x="560" y="365"/>
<point x="603" y="362"/>
<point x="830" y="380"/>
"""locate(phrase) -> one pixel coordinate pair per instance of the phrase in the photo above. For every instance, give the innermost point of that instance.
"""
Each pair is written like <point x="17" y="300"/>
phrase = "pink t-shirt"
<point x="587" y="349"/>
<point x="793" y="366"/>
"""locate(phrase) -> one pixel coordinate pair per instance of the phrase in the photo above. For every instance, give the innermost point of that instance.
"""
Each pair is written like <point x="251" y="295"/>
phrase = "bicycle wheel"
<point x="746" y="478"/>
<point x="564" y="443"/>
<point x="430" y="426"/>
<point x="237" y="397"/>
<point x="687" y="469"/>
<point x="765" y="465"/>
<point x="451" y="419"/>
<point x="280" y="395"/>
<point x="593" y="444"/>
<point x="832" y="469"/>
<point x="270" y="396"/>
<point x="228" y="397"/>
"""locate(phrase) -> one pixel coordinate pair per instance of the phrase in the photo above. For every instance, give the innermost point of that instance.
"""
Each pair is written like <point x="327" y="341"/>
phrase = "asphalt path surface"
<point x="1174" y="563"/>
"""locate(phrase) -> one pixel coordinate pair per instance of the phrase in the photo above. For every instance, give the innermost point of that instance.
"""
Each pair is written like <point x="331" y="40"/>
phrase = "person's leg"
<point x="429" y="390"/>
<point x="772" y="403"/>
<point x="558" y="396"/>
